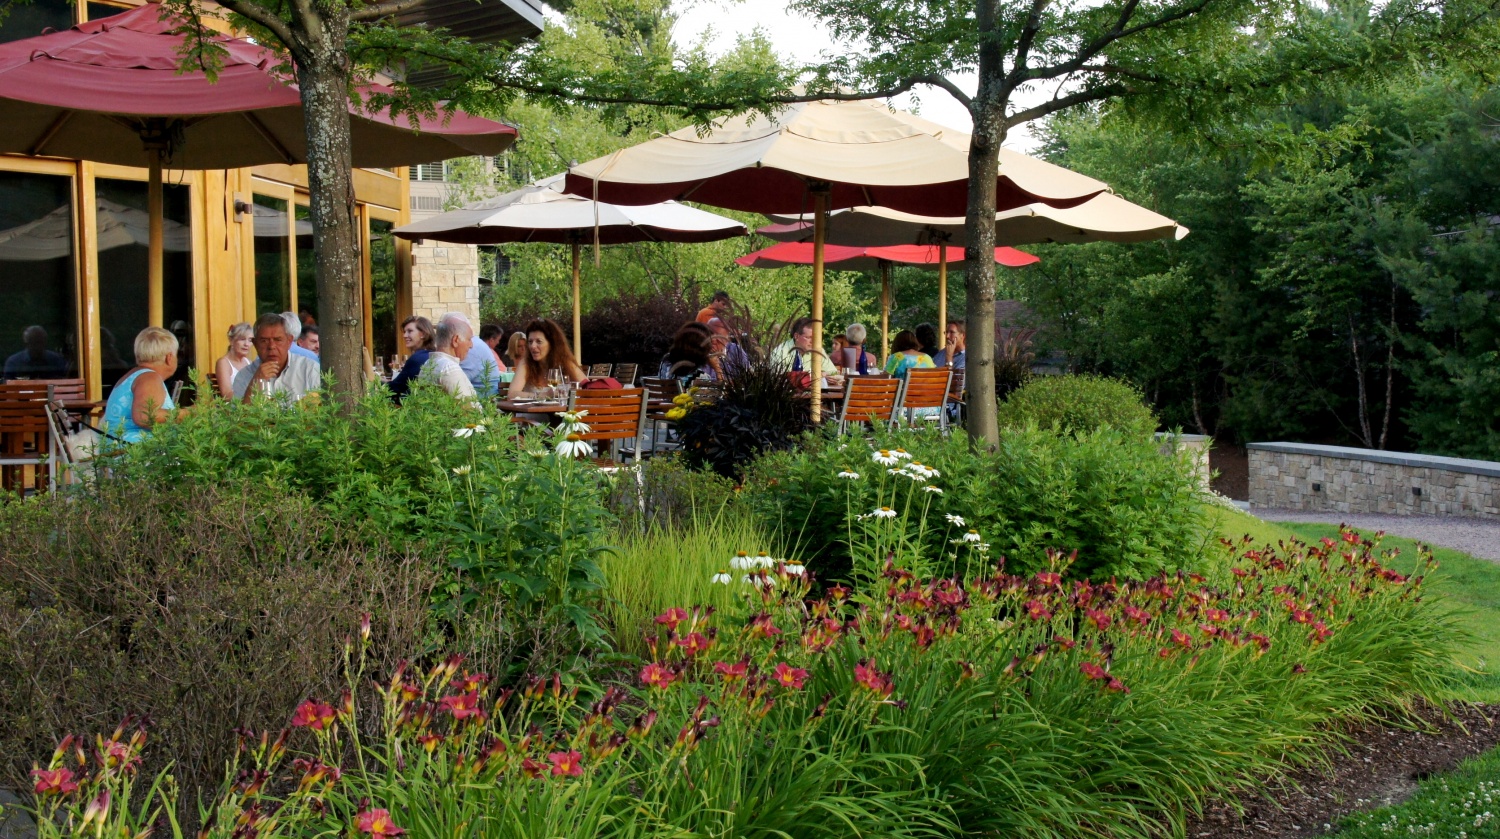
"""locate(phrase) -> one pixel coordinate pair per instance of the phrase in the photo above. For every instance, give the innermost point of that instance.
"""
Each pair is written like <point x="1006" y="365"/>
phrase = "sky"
<point x="804" y="41"/>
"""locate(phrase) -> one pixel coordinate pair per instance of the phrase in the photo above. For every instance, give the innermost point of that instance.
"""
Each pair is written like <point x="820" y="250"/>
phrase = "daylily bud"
<point x="364" y="628"/>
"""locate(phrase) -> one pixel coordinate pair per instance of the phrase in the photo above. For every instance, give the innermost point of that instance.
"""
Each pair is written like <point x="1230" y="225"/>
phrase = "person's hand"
<point x="268" y="371"/>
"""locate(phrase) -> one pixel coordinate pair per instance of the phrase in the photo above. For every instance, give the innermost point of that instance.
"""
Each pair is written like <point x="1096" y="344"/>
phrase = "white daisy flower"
<point x="764" y="561"/>
<point x="883" y="513"/>
<point x="971" y="536"/>
<point x="741" y="562"/>
<point x="853" y="476"/>
<point x="957" y="520"/>
<point x="885" y="458"/>
<point x="468" y="431"/>
<point x="572" y="416"/>
<point x="932" y="489"/>
<point x="462" y="470"/>
<point x="722" y="578"/>
<point x="574" y="448"/>
<point x="796" y="569"/>
<point x="902" y="453"/>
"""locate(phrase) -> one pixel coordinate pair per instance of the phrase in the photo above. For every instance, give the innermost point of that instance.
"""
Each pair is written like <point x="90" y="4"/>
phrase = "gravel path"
<point x="1477" y="537"/>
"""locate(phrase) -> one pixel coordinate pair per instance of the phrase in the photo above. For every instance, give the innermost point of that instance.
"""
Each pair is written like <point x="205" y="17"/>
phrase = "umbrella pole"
<point x="577" y="307"/>
<point x="942" y="295"/>
<point x="885" y="312"/>
<point x="820" y="233"/>
<point x="154" y="309"/>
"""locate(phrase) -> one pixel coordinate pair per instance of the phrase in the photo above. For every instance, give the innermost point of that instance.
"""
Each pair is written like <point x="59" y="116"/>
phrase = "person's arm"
<point x="577" y="374"/>
<point x="224" y="373"/>
<point x="150" y="394"/>
<point x="264" y="372"/>
<point x="518" y="384"/>
<point x="401" y="384"/>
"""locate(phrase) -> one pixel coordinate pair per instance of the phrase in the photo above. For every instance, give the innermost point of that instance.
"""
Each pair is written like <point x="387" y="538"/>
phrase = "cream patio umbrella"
<point x="818" y="156"/>
<point x="541" y="212"/>
<point x="1103" y="218"/>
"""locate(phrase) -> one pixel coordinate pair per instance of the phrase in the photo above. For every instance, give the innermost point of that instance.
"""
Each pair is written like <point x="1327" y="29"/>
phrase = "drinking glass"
<point x="267" y="387"/>
<point x="555" y="379"/>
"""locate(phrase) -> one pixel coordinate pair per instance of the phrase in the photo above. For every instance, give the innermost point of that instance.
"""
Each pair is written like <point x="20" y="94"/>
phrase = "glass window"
<point x="27" y="20"/>
<point x="97" y="11"/>
<point x="383" y="289"/>
<point x="38" y="304"/>
<point x="307" y="267"/>
<point x="273" y="249"/>
<point x="123" y="236"/>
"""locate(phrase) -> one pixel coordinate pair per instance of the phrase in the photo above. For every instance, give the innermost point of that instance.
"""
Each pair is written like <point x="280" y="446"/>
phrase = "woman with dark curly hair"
<point x="546" y="349"/>
<point x="692" y="352"/>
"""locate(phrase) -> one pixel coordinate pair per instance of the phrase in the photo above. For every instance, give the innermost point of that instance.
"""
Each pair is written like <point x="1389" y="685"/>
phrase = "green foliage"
<point x="758" y="410"/>
<point x="1128" y="508"/>
<point x="1077" y="404"/>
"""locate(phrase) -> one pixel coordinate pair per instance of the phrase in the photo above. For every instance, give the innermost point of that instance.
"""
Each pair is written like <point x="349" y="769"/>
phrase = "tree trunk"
<point x="323" y="74"/>
<point x="988" y="110"/>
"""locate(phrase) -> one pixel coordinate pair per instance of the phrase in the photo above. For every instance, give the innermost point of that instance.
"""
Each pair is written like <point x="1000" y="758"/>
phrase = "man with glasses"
<point x="276" y="371"/>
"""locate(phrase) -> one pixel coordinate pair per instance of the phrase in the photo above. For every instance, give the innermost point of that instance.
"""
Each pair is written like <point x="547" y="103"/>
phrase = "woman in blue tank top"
<point x="140" y="399"/>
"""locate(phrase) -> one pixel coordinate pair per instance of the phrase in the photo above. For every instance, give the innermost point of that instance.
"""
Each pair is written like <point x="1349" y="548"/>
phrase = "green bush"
<point x="1127" y="508"/>
<point x="203" y="608"/>
<point x="1077" y="403"/>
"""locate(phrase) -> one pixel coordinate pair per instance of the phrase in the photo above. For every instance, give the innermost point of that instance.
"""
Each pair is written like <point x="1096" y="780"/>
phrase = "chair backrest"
<point x="956" y="387"/>
<point x="67" y="390"/>
<point x="925" y="388"/>
<point x="625" y="373"/>
<point x="612" y="414"/>
<point x="659" y="388"/>
<point x="23" y="406"/>
<point x="177" y="392"/>
<point x="600" y="370"/>
<point x="869" y="399"/>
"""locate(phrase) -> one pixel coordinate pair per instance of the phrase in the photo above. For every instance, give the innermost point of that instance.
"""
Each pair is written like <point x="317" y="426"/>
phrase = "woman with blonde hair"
<point x="235" y="359"/>
<point x="515" y="349"/>
<point x="546" y="349"/>
<point x="140" y="399"/>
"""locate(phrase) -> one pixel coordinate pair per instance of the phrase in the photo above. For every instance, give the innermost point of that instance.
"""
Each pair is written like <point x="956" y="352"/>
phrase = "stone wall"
<point x="444" y="278"/>
<point x="1197" y="445"/>
<point x="1345" y="480"/>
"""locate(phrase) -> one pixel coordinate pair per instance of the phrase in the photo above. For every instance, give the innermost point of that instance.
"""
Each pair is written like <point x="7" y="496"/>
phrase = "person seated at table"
<point x="417" y="333"/>
<point x="734" y="359"/>
<point x="546" y="349"/>
<point x="952" y="355"/>
<point x="311" y="340"/>
<point x="795" y="353"/>
<point x="235" y="359"/>
<point x="927" y="338"/>
<point x="492" y="335"/>
<point x="276" y="371"/>
<point x="294" y="329"/>
<point x="692" y="353"/>
<point x="479" y="363"/>
<point x="515" y="350"/>
<point x="906" y="353"/>
<point x="140" y="399"/>
<point x="451" y="342"/>
<point x="864" y="362"/>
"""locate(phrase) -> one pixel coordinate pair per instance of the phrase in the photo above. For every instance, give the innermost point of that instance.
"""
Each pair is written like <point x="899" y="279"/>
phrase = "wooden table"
<point x="526" y="406"/>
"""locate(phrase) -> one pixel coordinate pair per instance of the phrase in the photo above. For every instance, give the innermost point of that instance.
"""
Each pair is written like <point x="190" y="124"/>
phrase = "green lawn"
<point x="1462" y="803"/>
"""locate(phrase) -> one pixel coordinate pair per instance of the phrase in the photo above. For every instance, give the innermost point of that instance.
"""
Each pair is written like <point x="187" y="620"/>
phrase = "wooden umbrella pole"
<point x="885" y="312"/>
<point x="820" y="233"/>
<point x="942" y="335"/>
<point x="577" y="306"/>
<point x="155" y="310"/>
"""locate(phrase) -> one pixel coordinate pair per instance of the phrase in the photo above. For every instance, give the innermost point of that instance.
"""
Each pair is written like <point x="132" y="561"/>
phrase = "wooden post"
<point x="577" y="307"/>
<point x="885" y="312"/>
<point x="820" y="234"/>
<point x="155" y="309"/>
<point x="942" y="294"/>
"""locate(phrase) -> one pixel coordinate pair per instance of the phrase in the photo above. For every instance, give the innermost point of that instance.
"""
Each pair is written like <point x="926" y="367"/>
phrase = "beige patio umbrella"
<point x="815" y="157"/>
<point x="1103" y="218"/>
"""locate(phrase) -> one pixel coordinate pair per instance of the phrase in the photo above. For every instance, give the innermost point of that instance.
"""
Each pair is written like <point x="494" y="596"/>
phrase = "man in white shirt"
<point x="276" y="371"/>
<point x="452" y="342"/>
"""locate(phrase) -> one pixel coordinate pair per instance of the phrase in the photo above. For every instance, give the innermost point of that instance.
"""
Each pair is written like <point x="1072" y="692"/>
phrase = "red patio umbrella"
<point x="852" y="258"/>
<point x="110" y="91"/>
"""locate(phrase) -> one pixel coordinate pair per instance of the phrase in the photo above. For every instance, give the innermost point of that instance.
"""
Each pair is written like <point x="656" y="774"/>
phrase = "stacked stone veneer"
<point x="1344" y="480"/>
<point x="444" y="278"/>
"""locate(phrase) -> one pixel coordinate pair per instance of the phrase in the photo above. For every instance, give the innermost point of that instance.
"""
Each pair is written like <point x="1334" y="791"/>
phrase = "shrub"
<point x="1077" y="403"/>
<point x="1114" y="497"/>
<point x="667" y="494"/>
<point x="629" y="327"/>
<point x="759" y="410"/>
<point x="203" y="608"/>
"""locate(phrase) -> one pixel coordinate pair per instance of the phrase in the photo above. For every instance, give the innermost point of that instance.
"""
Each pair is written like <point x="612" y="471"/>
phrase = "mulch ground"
<point x="1232" y="467"/>
<point x="1382" y="767"/>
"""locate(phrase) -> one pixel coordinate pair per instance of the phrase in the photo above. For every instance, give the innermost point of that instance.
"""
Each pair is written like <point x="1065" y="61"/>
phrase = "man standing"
<point x="310" y="341"/>
<point x="453" y="341"/>
<point x="952" y="355"/>
<point x="479" y="362"/>
<point x="718" y="307"/>
<point x="276" y="371"/>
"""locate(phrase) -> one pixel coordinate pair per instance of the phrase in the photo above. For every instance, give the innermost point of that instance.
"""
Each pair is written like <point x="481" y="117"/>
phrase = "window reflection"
<point x="383" y="288"/>
<point x="307" y="267"/>
<point x="123" y="237"/>
<point x="273" y="268"/>
<point x="38" y="308"/>
<point x="27" y="20"/>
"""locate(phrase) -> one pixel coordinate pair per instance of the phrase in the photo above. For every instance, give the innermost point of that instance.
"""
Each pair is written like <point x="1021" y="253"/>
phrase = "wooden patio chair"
<point x="659" y="390"/>
<point x="625" y="373"/>
<point x="600" y="371"/>
<point x="926" y="390"/>
<point x="26" y="432"/>
<point x="868" y="399"/>
<point x="614" y="416"/>
<point x="956" y="403"/>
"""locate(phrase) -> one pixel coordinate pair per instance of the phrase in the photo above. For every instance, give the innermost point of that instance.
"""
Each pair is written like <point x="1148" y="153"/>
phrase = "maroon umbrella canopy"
<point x="850" y="258"/>
<point x="94" y="91"/>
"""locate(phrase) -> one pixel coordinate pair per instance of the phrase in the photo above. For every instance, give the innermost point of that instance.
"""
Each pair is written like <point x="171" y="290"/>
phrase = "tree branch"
<point x="1028" y="34"/>
<point x="259" y="14"/>
<point x="1058" y="104"/>
<point x="1116" y="33"/>
<point x="380" y="10"/>
<point x="943" y="83"/>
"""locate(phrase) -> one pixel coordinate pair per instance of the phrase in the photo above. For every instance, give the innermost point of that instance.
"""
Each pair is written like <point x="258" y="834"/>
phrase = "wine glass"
<point x="555" y="379"/>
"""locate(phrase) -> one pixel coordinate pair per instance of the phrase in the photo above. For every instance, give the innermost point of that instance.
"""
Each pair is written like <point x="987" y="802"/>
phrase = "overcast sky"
<point x="802" y="40"/>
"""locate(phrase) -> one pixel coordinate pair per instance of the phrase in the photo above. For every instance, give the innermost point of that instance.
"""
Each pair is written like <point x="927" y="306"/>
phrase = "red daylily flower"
<point x="838" y="593"/>
<point x="315" y="715"/>
<point x="1320" y="633"/>
<point x="1138" y="615"/>
<point x="694" y="643"/>
<point x="471" y="681"/>
<point x="788" y="676"/>
<point x="867" y="676"/>
<point x="1037" y="611"/>
<point x="462" y="705"/>
<point x="54" y="781"/>
<point x="657" y="675"/>
<point x="1092" y="670"/>
<point x="761" y="626"/>
<point x="1216" y="615"/>
<point x="731" y="672"/>
<point x="1048" y="579"/>
<point x="1100" y="620"/>
<point x="566" y="764"/>
<point x="1182" y="639"/>
<point x="1117" y="686"/>
<point x="671" y="617"/>
<point x="377" y="824"/>
<point x="532" y="768"/>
